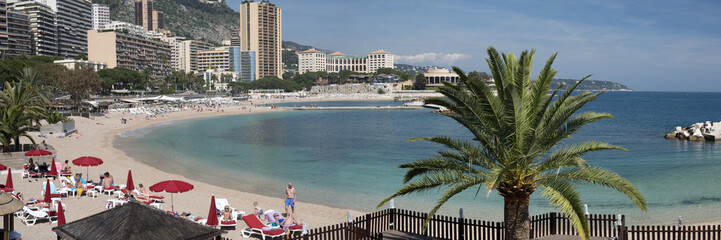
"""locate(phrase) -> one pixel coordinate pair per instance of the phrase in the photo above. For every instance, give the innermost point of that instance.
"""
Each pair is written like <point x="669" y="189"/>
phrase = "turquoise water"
<point x="349" y="158"/>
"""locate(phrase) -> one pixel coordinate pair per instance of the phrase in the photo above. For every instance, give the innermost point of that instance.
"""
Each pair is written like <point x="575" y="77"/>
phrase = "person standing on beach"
<point x="290" y="198"/>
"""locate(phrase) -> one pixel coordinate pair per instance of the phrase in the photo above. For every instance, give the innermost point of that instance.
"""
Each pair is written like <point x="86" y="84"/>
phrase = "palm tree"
<point x="517" y="147"/>
<point x="14" y="123"/>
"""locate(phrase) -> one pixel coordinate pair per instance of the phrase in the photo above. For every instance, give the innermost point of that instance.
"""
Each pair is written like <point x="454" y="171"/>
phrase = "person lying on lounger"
<point x="147" y="193"/>
<point x="284" y="222"/>
<point x="66" y="167"/>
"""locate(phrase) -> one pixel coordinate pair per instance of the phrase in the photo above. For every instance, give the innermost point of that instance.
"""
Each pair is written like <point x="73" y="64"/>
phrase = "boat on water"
<point x="414" y="104"/>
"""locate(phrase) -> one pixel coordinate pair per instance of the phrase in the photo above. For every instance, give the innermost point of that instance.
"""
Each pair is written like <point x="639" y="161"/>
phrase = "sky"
<point x="647" y="45"/>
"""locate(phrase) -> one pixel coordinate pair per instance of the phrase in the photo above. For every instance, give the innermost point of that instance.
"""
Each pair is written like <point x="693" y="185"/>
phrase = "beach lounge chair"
<point x="27" y="173"/>
<point x="59" y="166"/>
<point x="254" y="226"/>
<point x="29" y="216"/>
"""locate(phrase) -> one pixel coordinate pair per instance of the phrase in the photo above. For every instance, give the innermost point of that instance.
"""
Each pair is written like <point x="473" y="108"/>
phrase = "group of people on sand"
<point x="44" y="168"/>
<point x="278" y="220"/>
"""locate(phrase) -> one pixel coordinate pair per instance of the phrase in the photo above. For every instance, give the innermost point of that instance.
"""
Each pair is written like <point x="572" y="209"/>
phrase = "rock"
<point x="671" y="135"/>
<point x="696" y="138"/>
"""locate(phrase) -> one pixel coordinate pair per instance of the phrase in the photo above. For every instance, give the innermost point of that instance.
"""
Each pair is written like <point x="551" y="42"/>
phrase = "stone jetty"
<point x="707" y="131"/>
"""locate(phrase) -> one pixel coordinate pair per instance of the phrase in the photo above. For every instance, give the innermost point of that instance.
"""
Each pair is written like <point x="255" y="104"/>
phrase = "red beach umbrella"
<point x="86" y="162"/>
<point x="53" y="169"/>
<point x="212" y="215"/>
<point x="38" y="152"/>
<point x="47" y="192"/>
<point x="9" y="181"/>
<point x="3" y="167"/>
<point x="171" y="186"/>
<point x="129" y="183"/>
<point x="61" y="214"/>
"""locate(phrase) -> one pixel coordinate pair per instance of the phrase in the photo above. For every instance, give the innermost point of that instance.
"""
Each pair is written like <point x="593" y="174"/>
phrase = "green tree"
<point x="80" y="83"/>
<point x="420" y="82"/>
<point x="22" y="105"/>
<point x="14" y="124"/>
<point x="54" y="117"/>
<point x="516" y="146"/>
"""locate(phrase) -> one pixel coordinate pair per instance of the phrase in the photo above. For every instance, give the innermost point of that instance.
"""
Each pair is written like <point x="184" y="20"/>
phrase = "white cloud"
<point x="431" y="58"/>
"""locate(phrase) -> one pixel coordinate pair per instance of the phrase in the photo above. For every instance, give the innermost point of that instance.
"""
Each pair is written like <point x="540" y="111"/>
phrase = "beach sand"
<point x="94" y="138"/>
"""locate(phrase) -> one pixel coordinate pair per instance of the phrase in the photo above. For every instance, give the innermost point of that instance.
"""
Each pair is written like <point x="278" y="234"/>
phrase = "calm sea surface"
<point x="349" y="158"/>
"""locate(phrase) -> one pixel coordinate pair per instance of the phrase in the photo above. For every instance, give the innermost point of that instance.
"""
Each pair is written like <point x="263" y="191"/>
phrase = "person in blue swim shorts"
<point x="290" y="198"/>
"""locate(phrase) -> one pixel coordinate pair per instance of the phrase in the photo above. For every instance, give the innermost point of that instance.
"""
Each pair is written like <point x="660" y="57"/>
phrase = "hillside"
<point x="590" y="85"/>
<point x="195" y="19"/>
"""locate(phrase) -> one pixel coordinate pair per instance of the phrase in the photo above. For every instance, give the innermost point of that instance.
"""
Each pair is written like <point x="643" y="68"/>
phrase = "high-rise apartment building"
<point x="235" y="37"/>
<point x="129" y="51"/>
<point x="73" y="19"/>
<point x="158" y="20"/>
<point x="229" y="59"/>
<point x="18" y="33"/>
<point x="3" y="27"/>
<point x="101" y="16"/>
<point x="188" y="54"/>
<point x="144" y="13"/>
<point x="43" y="29"/>
<point x="146" y="16"/>
<point x="261" y="32"/>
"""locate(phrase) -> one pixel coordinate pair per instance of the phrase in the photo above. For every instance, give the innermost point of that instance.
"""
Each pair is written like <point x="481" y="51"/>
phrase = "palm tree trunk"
<point x="17" y="144"/>
<point x="517" y="222"/>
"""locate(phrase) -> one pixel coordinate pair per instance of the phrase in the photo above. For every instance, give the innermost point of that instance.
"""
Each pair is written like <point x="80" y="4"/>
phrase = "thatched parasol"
<point x="8" y="206"/>
<point x="135" y="220"/>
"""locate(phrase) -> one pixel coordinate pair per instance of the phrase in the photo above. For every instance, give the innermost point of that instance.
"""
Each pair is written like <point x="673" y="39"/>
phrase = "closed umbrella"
<point x="3" y="167"/>
<point x="86" y="162"/>
<point x="171" y="186"/>
<point x="129" y="183"/>
<point x="61" y="214"/>
<point x="47" y="192"/>
<point x="53" y="169"/>
<point x="9" y="181"/>
<point x="212" y="215"/>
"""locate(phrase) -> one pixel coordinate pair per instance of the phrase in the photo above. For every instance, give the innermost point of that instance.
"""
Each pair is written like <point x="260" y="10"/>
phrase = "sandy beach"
<point x="94" y="138"/>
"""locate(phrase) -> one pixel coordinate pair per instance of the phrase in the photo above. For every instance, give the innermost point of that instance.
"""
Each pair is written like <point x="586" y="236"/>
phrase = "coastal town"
<point x="147" y="129"/>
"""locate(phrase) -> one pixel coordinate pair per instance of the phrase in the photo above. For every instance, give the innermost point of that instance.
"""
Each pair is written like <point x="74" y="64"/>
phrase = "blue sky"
<point x="647" y="45"/>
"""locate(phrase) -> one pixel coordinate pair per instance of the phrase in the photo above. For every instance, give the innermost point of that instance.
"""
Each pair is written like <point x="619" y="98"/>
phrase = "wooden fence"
<point x="710" y="232"/>
<point x="371" y="226"/>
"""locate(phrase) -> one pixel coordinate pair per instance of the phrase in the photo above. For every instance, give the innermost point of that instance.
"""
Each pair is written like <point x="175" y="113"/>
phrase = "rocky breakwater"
<point x="707" y="131"/>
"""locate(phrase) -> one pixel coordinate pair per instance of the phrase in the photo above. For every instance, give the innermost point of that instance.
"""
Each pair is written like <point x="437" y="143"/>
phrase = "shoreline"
<point x="95" y="138"/>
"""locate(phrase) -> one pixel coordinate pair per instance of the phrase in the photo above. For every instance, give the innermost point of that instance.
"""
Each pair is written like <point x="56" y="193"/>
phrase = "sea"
<point x="349" y="158"/>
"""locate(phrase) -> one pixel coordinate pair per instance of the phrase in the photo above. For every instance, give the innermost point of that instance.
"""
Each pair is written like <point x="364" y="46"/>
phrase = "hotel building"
<point x="228" y="59"/>
<point x="261" y="32"/>
<point x="129" y="51"/>
<point x="314" y="61"/>
<point x="101" y="16"/>
<point x="311" y="61"/>
<point x="436" y="76"/>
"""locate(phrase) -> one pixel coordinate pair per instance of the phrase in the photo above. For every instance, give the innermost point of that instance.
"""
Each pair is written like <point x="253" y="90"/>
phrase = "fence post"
<point x="368" y="225"/>
<point x="552" y="223"/>
<point x="393" y="216"/>
<point x="461" y="225"/>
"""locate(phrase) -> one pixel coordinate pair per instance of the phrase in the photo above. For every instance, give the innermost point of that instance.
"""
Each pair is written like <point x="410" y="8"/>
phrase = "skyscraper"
<point x="3" y="27"/>
<point x="101" y="16"/>
<point x="261" y="32"/>
<point x="147" y="17"/>
<point x="18" y="33"/>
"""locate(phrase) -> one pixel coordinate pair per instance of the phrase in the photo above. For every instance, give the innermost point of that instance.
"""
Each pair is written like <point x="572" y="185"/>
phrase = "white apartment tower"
<point x="311" y="61"/>
<point x="261" y="32"/>
<point x="188" y="54"/>
<point x="74" y="19"/>
<point x="101" y="16"/>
